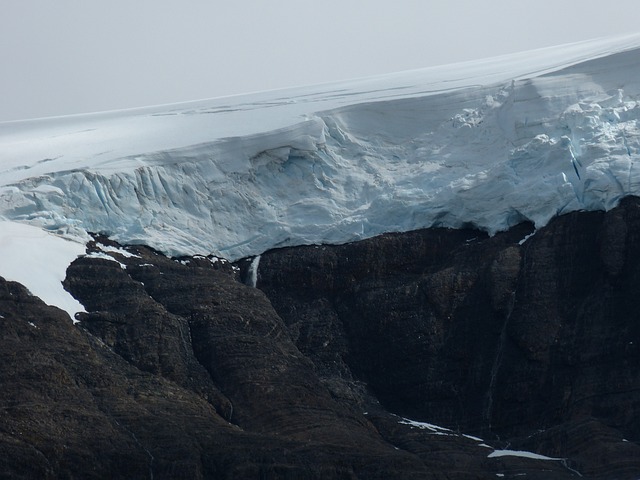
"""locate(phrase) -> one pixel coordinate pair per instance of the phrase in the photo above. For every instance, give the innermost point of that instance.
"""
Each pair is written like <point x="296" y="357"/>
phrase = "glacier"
<point x="487" y="144"/>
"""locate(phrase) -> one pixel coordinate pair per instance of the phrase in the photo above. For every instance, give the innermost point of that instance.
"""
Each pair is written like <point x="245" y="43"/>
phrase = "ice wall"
<point x="336" y="166"/>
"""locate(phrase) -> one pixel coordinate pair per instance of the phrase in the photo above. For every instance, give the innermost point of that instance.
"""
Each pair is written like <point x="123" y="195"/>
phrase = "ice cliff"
<point x="488" y="143"/>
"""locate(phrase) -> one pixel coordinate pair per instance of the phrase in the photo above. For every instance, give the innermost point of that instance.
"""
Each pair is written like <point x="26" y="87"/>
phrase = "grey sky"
<point x="60" y="57"/>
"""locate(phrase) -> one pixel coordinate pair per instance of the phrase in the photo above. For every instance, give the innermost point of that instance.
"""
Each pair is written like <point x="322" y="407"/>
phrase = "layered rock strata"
<point x="429" y="354"/>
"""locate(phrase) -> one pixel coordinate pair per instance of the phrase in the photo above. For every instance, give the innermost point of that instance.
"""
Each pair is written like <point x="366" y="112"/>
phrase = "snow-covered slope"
<point x="487" y="143"/>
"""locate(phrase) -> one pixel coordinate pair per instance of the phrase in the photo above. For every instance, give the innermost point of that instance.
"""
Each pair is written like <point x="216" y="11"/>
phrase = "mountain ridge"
<point x="438" y="353"/>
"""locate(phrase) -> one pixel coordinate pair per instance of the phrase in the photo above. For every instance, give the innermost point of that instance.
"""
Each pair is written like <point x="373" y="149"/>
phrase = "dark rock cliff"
<point x="180" y="370"/>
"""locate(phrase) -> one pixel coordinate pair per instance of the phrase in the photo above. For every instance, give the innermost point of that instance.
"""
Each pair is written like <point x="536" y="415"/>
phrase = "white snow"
<point x="526" y="237"/>
<point x="39" y="259"/>
<point x="437" y="430"/>
<point x="487" y="143"/>
<point x="520" y="453"/>
<point x="106" y="256"/>
<point x="119" y="251"/>
<point x="434" y="429"/>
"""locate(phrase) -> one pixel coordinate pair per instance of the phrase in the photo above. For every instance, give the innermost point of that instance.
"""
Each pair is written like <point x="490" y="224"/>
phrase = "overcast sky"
<point x="60" y="57"/>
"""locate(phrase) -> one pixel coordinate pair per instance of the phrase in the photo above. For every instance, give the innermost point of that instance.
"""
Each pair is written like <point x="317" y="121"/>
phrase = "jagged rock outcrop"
<point x="180" y="370"/>
<point x="529" y="342"/>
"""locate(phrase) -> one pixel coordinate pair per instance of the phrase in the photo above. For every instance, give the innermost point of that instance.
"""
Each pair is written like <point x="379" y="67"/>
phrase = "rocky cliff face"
<point x="340" y="363"/>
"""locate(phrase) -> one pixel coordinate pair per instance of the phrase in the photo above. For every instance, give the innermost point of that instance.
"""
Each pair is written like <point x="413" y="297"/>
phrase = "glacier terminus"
<point x="487" y="144"/>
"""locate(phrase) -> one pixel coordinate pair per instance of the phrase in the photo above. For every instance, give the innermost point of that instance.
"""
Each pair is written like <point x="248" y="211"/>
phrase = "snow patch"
<point x="527" y="237"/>
<point x="106" y="256"/>
<point x="119" y="251"/>
<point x="38" y="260"/>
<point x="427" y="426"/>
<point x="521" y="453"/>
<point x="436" y="430"/>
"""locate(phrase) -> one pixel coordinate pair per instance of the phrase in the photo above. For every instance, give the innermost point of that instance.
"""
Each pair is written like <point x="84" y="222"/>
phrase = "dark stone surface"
<point x="514" y="343"/>
<point x="180" y="370"/>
